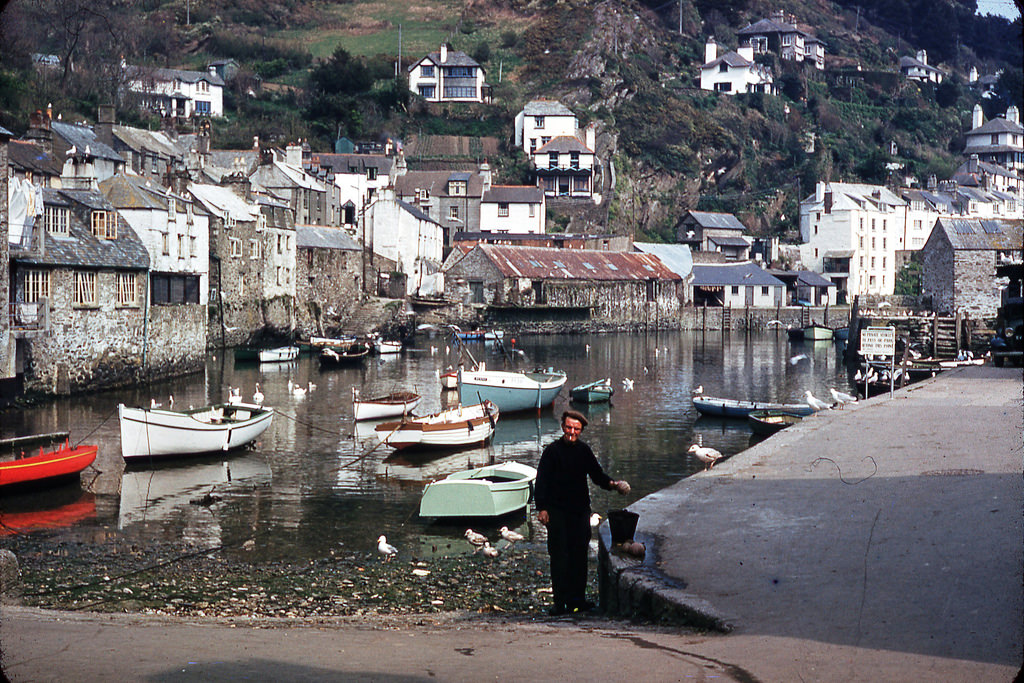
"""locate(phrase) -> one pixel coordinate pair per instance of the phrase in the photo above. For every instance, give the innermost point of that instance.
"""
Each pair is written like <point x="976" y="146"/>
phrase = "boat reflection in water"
<point x="182" y="494"/>
<point x="61" y="507"/>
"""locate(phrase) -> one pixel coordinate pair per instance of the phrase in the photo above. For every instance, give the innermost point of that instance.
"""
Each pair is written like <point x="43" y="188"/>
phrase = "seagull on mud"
<point x="510" y="536"/>
<point x="816" y="404"/>
<point x="841" y="398"/>
<point x="475" y="538"/>
<point x="488" y="551"/>
<point x="386" y="550"/>
<point x="705" y="454"/>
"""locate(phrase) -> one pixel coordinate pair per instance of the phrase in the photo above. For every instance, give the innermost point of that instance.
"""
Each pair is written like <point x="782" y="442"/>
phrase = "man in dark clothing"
<point x="563" y="506"/>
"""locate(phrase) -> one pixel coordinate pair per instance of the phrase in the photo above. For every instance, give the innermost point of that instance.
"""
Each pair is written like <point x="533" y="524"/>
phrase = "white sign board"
<point x="878" y="341"/>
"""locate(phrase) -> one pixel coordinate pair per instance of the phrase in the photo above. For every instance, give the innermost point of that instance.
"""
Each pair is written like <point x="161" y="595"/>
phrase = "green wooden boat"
<point x="771" y="421"/>
<point x="595" y="392"/>
<point x="490" y="491"/>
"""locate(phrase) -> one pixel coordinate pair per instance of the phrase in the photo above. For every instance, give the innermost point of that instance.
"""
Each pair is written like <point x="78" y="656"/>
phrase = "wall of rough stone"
<point x="975" y="290"/>
<point x="86" y="348"/>
<point x="175" y="340"/>
<point x="327" y="289"/>
<point x="938" y="272"/>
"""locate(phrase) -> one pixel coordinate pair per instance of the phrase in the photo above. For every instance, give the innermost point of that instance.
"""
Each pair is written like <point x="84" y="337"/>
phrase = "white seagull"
<point x="595" y="520"/>
<point x="311" y="387"/>
<point x="841" y="398"/>
<point x="488" y="551"/>
<point x="510" y="536"/>
<point x="386" y="549"/>
<point x="258" y="397"/>
<point x="699" y="390"/>
<point x="797" y="358"/>
<point x="705" y="454"/>
<point x="234" y="395"/>
<point x="816" y="404"/>
<point x="627" y="384"/>
<point x="475" y="538"/>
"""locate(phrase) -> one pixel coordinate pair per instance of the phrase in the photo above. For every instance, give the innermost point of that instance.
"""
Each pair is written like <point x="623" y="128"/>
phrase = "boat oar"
<point x="379" y="444"/>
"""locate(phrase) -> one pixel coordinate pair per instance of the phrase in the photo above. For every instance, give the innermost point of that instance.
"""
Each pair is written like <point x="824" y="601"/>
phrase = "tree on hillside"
<point x="80" y="30"/>
<point x="341" y="74"/>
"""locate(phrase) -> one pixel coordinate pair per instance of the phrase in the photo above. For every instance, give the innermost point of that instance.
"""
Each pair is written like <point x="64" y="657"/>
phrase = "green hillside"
<point x="317" y="70"/>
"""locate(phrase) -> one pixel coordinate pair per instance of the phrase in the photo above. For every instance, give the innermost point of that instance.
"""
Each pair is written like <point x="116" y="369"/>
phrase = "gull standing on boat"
<point x="816" y="404"/>
<point x="475" y="538"/>
<point x="510" y="536"/>
<point x="386" y="550"/>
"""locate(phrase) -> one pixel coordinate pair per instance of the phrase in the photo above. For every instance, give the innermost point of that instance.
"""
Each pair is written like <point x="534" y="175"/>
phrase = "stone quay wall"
<point x="176" y="340"/>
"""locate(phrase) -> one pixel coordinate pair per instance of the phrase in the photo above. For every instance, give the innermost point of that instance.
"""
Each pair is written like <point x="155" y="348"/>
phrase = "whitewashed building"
<point x="850" y="234"/>
<point x="449" y="76"/>
<point x="512" y="209"/>
<point x="176" y="92"/>
<point x="541" y="121"/>
<point x="734" y="72"/>
<point x="400" y="232"/>
<point x="918" y="69"/>
<point x="734" y="285"/>
<point x="999" y="141"/>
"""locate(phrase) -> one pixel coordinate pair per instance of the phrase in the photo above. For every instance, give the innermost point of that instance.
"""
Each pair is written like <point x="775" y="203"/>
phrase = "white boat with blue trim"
<point x="510" y="391"/>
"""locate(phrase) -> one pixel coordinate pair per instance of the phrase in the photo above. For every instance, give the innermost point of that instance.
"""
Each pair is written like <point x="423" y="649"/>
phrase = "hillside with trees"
<point x="320" y="71"/>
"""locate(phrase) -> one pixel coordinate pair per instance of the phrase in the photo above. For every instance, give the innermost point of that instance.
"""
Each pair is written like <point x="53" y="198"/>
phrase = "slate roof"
<point x="730" y="241"/>
<point x="848" y="196"/>
<point x="320" y="237"/>
<point x="144" y="73"/>
<point x="28" y="156"/>
<point x="720" y="221"/>
<point x="744" y="274"/>
<point x="997" y="125"/>
<point x="677" y="257"/>
<point x="354" y="163"/>
<point x="541" y="263"/>
<point x="547" y="108"/>
<point x="80" y="248"/>
<point x="913" y="62"/>
<point x="765" y="26"/>
<point x="147" y="140"/>
<point x="514" y="194"/>
<point x="807" y="278"/>
<point x="82" y="137"/>
<point x="434" y="182"/>
<point x="221" y="202"/>
<point x="976" y="234"/>
<point x="731" y="59"/>
<point x="564" y="143"/>
<point x="416" y="212"/>
<point x="455" y="58"/>
<point x="132" y="193"/>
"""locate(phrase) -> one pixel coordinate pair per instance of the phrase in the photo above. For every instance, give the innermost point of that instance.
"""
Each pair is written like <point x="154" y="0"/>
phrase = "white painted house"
<point x="449" y="76"/>
<point x="565" y="167"/>
<point x="176" y="235"/>
<point x="735" y="285"/>
<point x="918" y="69"/>
<point x="176" y="92"/>
<point x="783" y="38"/>
<point x="850" y="234"/>
<point x="513" y="209"/>
<point x="406" y="235"/>
<point x="999" y="141"/>
<point x="541" y="121"/>
<point x="734" y="72"/>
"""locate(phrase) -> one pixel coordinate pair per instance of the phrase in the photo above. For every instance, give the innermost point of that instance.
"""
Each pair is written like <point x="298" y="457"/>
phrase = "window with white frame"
<point x="193" y="249"/>
<point x="37" y="285"/>
<point x="103" y="224"/>
<point x="84" y="288"/>
<point x="280" y="244"/>
<point x="453" y="212"/>
<point x="254" y="249"/>
<point x="126" y="289"/>
<point x="539" y="122"/>
<point x="533" y="210"/>
<point x="241" y="287"/>
<point x="181" y="246"/>
<point x="57" y="219"/>
<point x="236" y="246"/>
<point x="502" y="209"/>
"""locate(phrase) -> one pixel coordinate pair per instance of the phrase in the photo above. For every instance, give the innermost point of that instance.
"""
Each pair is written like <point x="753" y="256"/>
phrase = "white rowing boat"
<point x="455" y="428"/>
<point x="395" y="404"/>
<point x="153" y="432"/>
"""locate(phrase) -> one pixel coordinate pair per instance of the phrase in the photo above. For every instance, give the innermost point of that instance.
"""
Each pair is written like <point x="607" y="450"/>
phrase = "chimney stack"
<point x="1013" y="114"/>
<point x="105" y="125"/>
<point x="710" y="50"/>
<point x="444" y="52"/>
<point x="978" y="117"/>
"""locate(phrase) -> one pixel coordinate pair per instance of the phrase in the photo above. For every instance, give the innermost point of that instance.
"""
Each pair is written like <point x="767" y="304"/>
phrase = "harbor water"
<point x="316" y="483"/>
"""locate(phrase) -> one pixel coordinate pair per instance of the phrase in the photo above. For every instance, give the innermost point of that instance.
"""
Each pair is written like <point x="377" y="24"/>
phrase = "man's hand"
<point x="622" y="486"/>
<point x="542" y="517"/>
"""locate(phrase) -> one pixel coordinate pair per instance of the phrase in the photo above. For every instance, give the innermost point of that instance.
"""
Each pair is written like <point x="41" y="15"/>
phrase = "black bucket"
<point x="622" y="524"/>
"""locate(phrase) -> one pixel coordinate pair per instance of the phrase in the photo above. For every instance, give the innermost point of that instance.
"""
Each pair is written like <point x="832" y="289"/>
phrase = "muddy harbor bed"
<point x="181" y="580"/>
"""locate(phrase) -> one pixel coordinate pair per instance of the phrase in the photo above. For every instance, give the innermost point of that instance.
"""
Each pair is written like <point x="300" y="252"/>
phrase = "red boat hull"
<point x="47" y="465"/>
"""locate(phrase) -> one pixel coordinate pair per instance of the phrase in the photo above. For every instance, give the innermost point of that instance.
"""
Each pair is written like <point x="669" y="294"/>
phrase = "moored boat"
<point x="395" y="404"/>
<point x="156" y="433"/>
<point x="456" y="428"/>
<point x="47" y="466"/>
<point x="728" y="407"/>
<point x="385" y="346"/>
<point x="489" y="491"/>
<point x="345" y="355"/>
<point x="511" y="391"/>
<point x="281" y="354"/>
<point x="817" y="332"/>
<point x="771" y="421"/>
<point x="594" y="392"/>
<point x="450" y="379"/>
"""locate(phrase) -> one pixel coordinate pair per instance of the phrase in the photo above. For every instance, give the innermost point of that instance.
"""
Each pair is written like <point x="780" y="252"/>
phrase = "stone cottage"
<point x="328" y="279"/>
<point x="534" y="283"/>
<point x="959" y="263"/>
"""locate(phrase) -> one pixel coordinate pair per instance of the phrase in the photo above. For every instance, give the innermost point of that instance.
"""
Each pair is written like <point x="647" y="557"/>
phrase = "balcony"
<point x="28" y="319"/>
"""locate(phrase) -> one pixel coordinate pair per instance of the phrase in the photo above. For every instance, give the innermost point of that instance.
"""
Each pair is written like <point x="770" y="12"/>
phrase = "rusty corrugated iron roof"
<point x="539" y="263"/>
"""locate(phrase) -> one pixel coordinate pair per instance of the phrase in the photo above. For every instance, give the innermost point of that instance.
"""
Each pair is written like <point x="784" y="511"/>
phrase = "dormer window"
<point x="103" y="225"/>
<point x="56" y="219"/>
<point x="457" y="188"/>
